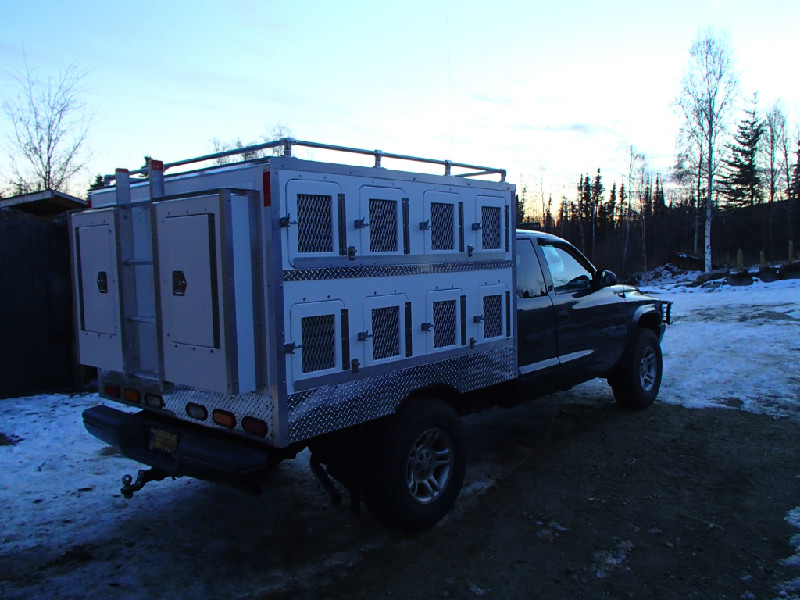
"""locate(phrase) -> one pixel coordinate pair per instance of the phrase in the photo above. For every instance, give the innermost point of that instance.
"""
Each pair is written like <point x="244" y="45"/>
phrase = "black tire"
<point x="417" y="466"/>
<point x="637" y="378"/>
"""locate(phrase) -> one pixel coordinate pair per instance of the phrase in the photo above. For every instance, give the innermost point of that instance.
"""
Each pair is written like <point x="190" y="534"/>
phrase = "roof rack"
<point x="288" y="143"/>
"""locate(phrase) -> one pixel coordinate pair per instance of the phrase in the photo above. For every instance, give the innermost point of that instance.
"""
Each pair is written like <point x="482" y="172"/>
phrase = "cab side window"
<point x="530" y="281"/>
<point x="568" y="271"/>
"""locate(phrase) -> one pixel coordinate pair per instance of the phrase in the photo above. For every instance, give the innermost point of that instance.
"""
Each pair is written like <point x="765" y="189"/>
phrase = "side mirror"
<point x="608" y="278"/>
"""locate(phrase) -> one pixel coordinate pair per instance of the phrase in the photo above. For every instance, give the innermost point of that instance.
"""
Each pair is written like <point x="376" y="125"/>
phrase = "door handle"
<point x="102" y="282"/>
<point x="179" y="283"/>
<point x="563" y="315"/>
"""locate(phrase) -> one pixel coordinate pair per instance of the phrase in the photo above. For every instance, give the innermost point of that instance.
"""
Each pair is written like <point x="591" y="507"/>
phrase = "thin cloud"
<point x="494" y="99"/>
<point x="590" y="129"/>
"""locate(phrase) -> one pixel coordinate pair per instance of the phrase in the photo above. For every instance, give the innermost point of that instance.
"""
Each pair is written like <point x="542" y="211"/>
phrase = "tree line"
<point x="727" y="190"/>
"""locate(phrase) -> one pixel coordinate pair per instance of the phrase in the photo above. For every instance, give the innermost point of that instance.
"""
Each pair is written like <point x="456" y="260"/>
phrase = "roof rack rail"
<point x="288" y="143"/>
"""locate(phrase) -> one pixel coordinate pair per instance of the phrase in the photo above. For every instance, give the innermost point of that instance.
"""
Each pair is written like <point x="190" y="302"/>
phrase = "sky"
<point x="546" y="91"/>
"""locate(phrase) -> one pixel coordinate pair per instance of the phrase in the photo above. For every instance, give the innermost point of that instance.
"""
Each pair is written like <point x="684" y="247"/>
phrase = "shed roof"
<point x="43" y="205"/>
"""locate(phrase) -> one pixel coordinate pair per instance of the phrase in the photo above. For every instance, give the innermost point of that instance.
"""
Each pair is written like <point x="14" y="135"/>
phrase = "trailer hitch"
<point x="129" y="487"/>
<point x="347" y="477"/>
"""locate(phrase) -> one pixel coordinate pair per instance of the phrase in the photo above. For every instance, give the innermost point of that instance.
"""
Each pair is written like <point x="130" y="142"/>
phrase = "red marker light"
<point x="267" y="189"/>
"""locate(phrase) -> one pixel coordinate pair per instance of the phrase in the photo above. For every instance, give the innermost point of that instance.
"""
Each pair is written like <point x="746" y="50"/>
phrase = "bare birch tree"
<point x="774" y="135"/>
<point x="708" y="90"/>
<point x="691" y="159"/>
<point x="49" y="129"/>
<point x="278" y="132"/>
<point x="774" y="142"/>
<point x="790" y="197"/>
<point x="634" y="159"/>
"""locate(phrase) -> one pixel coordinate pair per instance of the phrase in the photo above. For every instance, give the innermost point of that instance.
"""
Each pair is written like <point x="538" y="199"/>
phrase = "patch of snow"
<point x="613" y="559"/>
<point x="726" y="347"/>
<point x="477" y="487"/>
<point x="476" y="591"/>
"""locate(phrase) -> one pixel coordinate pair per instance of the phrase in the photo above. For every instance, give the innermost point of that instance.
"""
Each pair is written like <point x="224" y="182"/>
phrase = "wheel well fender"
<point x="647" y="316"/>
<point x="441" y="391"/>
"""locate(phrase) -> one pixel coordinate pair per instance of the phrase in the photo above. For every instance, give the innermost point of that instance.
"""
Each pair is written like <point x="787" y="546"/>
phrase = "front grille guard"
<point x="666" y="312"/>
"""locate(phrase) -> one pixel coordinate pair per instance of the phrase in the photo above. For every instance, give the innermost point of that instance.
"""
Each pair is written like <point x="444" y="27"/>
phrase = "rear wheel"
<point x="637" y="378"/>
<point x="418" y="465"/>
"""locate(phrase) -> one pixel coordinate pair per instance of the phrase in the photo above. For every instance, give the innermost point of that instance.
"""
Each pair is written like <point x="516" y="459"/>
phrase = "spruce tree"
<point x="596" y="198"/>
<point x="659" y="204"/>
<point x="611" y="211"/>
<point x="98" y="184"/>
<point x="741" y="183"/>
<point x="548" y="218"/>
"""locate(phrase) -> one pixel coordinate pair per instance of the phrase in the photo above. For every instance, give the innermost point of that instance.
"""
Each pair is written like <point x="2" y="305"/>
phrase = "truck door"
<point x="536" y="329"/>
<point x="590" y="321"/>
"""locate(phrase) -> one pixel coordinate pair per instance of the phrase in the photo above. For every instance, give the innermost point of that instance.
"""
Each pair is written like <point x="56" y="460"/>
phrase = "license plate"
<point x="163" y="441"/>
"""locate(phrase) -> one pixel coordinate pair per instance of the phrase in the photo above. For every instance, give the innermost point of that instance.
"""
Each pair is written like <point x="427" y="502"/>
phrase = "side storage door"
<point x="316" y="227"/>
<point x="317" y="341"/>
<point x="388" y="335"/>
<point x="443" y="225"/>
<point x="206" y="284"/>
<point x="491" y="224"/>
<point x="445" y="320"/>
<point x="95" y="276"/>
<point x="492" y="313"/>
<point x="382" y="221"/>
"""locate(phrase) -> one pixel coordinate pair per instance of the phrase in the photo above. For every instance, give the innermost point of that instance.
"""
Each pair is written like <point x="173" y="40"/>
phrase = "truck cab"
<point x="575" y="322"/>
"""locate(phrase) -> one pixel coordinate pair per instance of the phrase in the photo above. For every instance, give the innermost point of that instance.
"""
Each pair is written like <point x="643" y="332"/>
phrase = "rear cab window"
<point x="530" y="280"/>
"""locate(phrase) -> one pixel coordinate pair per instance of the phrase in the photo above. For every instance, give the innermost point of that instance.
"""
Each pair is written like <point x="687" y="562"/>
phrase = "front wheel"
<point x="418" y="465"/>
<point x="637" y="378"/>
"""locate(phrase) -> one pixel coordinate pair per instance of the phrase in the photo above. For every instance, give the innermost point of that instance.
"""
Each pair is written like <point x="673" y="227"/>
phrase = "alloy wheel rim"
<point x="430" y="464"/>
<point x="648" y="370"/>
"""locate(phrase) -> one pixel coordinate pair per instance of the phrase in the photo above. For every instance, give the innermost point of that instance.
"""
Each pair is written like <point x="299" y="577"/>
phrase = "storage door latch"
<point x="179" y="283"/>
<point x="102" y="282"/>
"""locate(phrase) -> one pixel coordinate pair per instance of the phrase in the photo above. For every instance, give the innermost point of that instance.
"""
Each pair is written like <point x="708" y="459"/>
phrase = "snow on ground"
<point x="736" y="348"/>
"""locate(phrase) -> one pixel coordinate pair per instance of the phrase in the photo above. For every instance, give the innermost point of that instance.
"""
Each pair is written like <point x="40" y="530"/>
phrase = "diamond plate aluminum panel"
<point x="492" y="316"/>
<point x="314" y="223"/>
<point x="252" y="404"/>
<point x="392" y="270"/>
<point x="442" y="235"/>
<point x="382" y="225"/>
<point x="490" y="228"/>
<point x="329" y="408"/>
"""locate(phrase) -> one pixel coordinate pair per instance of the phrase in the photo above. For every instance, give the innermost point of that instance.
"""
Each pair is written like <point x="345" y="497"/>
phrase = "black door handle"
<point x="179" y="283"/>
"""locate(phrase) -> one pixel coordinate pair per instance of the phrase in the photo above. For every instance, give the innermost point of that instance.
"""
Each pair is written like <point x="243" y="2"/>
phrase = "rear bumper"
<point x="197" y="454"/>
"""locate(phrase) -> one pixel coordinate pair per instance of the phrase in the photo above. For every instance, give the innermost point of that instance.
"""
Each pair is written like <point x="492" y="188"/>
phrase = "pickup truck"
<point x="575" y="323"/>
<point x="255" y="309"/>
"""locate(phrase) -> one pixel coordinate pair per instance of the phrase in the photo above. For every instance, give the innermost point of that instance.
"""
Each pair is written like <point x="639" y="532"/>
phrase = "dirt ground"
<point x="565" y="497"/>
<point x="599" y="502"/>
